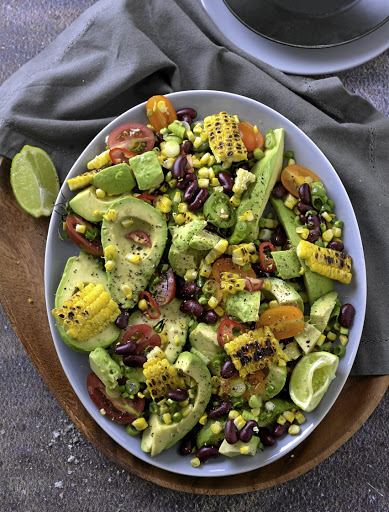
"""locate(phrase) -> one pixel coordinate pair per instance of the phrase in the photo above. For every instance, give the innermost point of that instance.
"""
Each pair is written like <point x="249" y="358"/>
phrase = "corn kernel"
<point x="134" y="258"/>
<point x="290" y="201"/>
<point x="168" y="163"/>
<point x="190" y="275"/>
<point x="337" y="232"/>
<point x="203" y="182"/>
<point x="110" y="216"/>
<point x="110" y="253"/>
<point x="292" y="161"/>
<point x="177" y="197"/>
<point x="213" y="302"/>
<point x="256" y="411"/>
<point x="180" y="219"/>
<point x="205" y="158"/>
<point x="302" y="271"/>
<point x="215" y="182"/>
<point x="142" y="304"/>
<point x="273" y="304"/>
<point x="235" y="200"/>
<point x="327" y="235"/>
<point x="305" y="233"/>
<point x="197" y="142"/>
<point x="165" y="205"/>
<point x="321" y="340"/>
<point x="182" y="207"/>
<point x="195" y="463"/>
<point x="244" y="450"/>
<point x="267" y="286"/>
<point x="331" y="336"/>
<point x="187" y="410"/>
<point x="337" y="326"/>
<point x="127" y="291"/>
<point x="300" y="418"/>
<point x="343" y="339"/>
<point x="216" y="427"/>
<point x="289" y="416"/>
<point x="239" y="422"/>
<point x="140" y="424"/>
<point x="211" y="160"/>
<point x="219" y="311"/>
<point x="100" y="160"/>
<point x="232" y="415"/>
<point x="326" y="216"/>
<point x="184" y="403"/>
<point x="198" y="129"/>
<point x="140" y="395"/>
<point x="110" y="265"/>
<point x="190" y="135"/>
<point x="80" y="228"/>
<point x="163" y="337"/>
<point x="203" y="172"/>
<point x="80" y="285"/>
<point x="281" y="419"/>
<point x="203" y="419"/>
<point x="294" y="430"/>
<point x="127" y="223"/>
<point x="96" y="213"/>
<point x="167" y="418"/>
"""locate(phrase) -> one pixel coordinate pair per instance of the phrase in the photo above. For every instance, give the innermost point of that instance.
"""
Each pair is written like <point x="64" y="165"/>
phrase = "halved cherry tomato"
<point x="120" y="155"/>
<point x="140" y="237"/>
<point x="152" y="311"/>
<point x="160" y="112"/>
<point x="252" y="284"/>
<point x="93" y="247"/>
<point x="250" y="139"/>
<point x="121" y="410"/>
<point x="164" y="291"/>
<point x="284" y="321"/>
<point x="226" y="265"/>
<point x="143" y="335"/>
<point x="134" y="137"/>
<point x="293" y="176"/>
<point x="147" y="198"/>
<point x="228" y="330"/>
<point x="267" y="263"/>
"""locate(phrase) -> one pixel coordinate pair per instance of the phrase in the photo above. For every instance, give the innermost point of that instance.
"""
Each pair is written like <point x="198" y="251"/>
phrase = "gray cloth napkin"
<point x="117" y="54"/>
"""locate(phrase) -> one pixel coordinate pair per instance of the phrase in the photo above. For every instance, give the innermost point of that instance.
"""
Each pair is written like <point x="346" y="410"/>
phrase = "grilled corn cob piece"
<point x="224" y="138"/>
<point x="161" y="376"/>
<point x="254" y="350"/>
<point x="100" y="160"/>
<point x="327" y="262"/>
<point x="87" y="312"/>
<point x="81" y="181"/>
<point x="231" y="283"/>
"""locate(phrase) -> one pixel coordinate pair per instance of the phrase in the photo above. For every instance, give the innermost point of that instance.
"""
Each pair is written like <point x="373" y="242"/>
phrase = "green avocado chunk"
<point x="113" y="233"/>
<point x="183" y="261"/>
<point x="161" y="436"/>
<point x="283" y="292"/>
<point x="315" y="284"/>
<point x="308" y="337"/>
<point x="106" y="369"/>
<point x="89" y="206"/>
<point x="321" y="310"/>
<point x="204" y="339"/>
<point x="267" y="172"/>
<point x="85" y="269"/>
<point x="233" y="450"/>
<point x="147" y="170"/>
<point x="182" y="235"/>
<point x="275" y="381"/>
<point x="204" y="240"/>
<point x="116" y="179"/>
<point x="244" y="305"/>
<point x="287" y="263"/>
<point x="267" y="418"/>
<point x="206" y="437"/>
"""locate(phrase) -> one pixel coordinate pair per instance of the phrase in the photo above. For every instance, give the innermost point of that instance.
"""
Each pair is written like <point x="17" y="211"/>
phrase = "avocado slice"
<point x="175" y="327"/>
<point x="182" y="235"/>
<point x="284" y="293"/>
<point x="204" y="339"/>
<point x="308" y="337"/>
<point x="321" y="310"/>
<point x="287" y="263"/>
<point x="267" y="172"/>
<point x="233" y="450"/>
<point x="107" y="370"/>
<point x="144" y="218"/>
<point x="315" y="284"/>
<point x="244" y="305"/>
<point x="204" y="240"/>
<point x="160" y="436"/>
<point x="183" y="261"/>
<point x="89" y="206"/>
<point x="116" y="179"/>
<point x="86" y="269"/>
<point x="205" y="436"/>
<point x="267" y="418"/>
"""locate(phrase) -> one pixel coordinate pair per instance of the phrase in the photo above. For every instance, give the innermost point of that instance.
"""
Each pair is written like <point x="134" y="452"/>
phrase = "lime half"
<point x="311" y="378"/>
<point x="34" y="181"/>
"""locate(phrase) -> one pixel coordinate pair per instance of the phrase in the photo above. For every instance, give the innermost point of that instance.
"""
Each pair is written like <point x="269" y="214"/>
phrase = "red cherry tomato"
<point x="134" y="137"/>
<point x="93" y="247"/>
<point x="267" y="263"/>
<point x="226" y="265"/>
<point x="164" y="291"/>
<point x="160" y="112"/>
<point x="140" y="237"/>
<point x="121" y="410"/>
<point x="250" y="139"/>
<point x="253" y="284"/>
<point x="227" y="331"/>
<point x="143" y="335"/>
<point x="152" y="311"/>
<point x="284" y="321"/>
<point x="120" y="156"/>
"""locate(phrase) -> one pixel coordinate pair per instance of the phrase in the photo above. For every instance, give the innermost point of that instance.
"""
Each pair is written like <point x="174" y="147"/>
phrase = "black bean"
<point x="303" y="218"/>
<point x="122" y="319"/>
<point x="126" y="349"/>
<point x="192" y="307"/>
<point x="159" y="137"/>
<point x="346" y="315"/>
<point x="250" y="155"/>
<point x="191" y="190"/>
<point x="135" y="360"/>
<point x="246" y="433"/>
<point x="245" y="166"/>
<point x="279" y="235"/>
<point x="304" y="208"/>
<point x="226" y="181"/>
<point x="314" y="228"/>
<point x="336" y="246"/>
<point x="187" y="445"/>
<point x="279" y="430"/>
<point x="279" y="191"/>
<point x="207" y="452"/>
<point x="185" y="147"/>
<point x="227" y="370"/>
<point x="220" y="410"/>
<point x="191" y="112"/>
<point x="182" y="184"/>
<point x="265" y="436"/>
<point x="259" y="271"/>
<point x="231" y="432"/>
<point x="210" y="317"/>
<point x="178" y="169"/>
<point x="199" y="200"/>
<point x="305" y="193"/>
<point x="188" y="291"/>
<point x="178" y="395"/>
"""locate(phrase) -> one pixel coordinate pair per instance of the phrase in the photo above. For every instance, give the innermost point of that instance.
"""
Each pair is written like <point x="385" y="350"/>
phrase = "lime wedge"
<point x="34" y="181"/>
<point x="311" y="378"/>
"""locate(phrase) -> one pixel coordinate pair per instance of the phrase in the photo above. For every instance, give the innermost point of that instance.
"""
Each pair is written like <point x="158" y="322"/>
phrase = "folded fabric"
<point x="118" y="54"/>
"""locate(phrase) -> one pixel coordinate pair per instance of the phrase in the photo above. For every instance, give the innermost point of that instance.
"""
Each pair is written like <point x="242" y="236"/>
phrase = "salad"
<point x="203" y="290"/>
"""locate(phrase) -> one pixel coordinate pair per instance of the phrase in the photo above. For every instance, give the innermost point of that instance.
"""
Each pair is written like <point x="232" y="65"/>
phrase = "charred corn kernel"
<point x="87" y="313"/>
<point x="168" y="163"/>
<point x="164" y="188"/>
<point x="142" y="304"/>
<point x="232" y="415"/>
<point x="203" y="419"/>
<point x="100" y="160"/>
<point x="182" y="207"/>
<point x="127" y="291"/>
<point x="289" y="416"/>
<point x="213" y="302"/>
<point x="140" y="424"/>
<point x="327" y="262"/>
<point x="290" y="201"/>
<point x="191" y="275"/>
<point x="127" y="223"/>
<point x="321" y="340"/>
<point x="343" y="339"/>
<point x="134" y="258"/>
<point x="205" y="158"/>
<point x="81" y="181"/>
<point x="110" y="253"/>
<point x="161" y="376"/>
<point x="109" y="265"/>
<point x="254" y="350"/>
<point x="327" y="216"/>
<point x="219" y="311"/>
<point x="216" y="427"/>
<point x="219" y="249"/>
<point x="241" y="255"/>
<point x="80" y="228"/>
<point x="187" y="410"/>
<point x="179" y="219"/>
<point x="198" y="129"/>
<point x="337" y="232"/>
<point x="231" y="283"/>
<point x="293" y="430"/>
<point x="300" y="418"/>
<point x="167" y="418"/>
<point x="215" y="182"/>
<point x="100" y="194"/>
<point x="327" y="235"/>
<point x="224" y="138"/>
<point x="195" y="463"/>
<point x="281" y="419"/>
<point x="248" y="215"/>
<point x="244" y="450"/>
<point x="188" y="217"/>
<point x="242" y="180"/>
<point x="110" y="216"/>
<point x="239" y="422"/>
<point x="203" y="172"/>
<point x="205" y="270"/>
<point x="203" y="182"/>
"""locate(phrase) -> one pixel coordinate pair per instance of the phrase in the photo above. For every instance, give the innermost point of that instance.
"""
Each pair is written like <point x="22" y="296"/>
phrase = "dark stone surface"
<point x="47" y="465"/>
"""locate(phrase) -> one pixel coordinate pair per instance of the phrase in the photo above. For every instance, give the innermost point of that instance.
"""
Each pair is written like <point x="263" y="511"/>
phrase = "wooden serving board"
<point x="22" y="248"/>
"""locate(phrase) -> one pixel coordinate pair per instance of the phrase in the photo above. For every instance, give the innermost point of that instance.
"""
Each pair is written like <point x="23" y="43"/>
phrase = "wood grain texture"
<point x="22" y="246"/>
